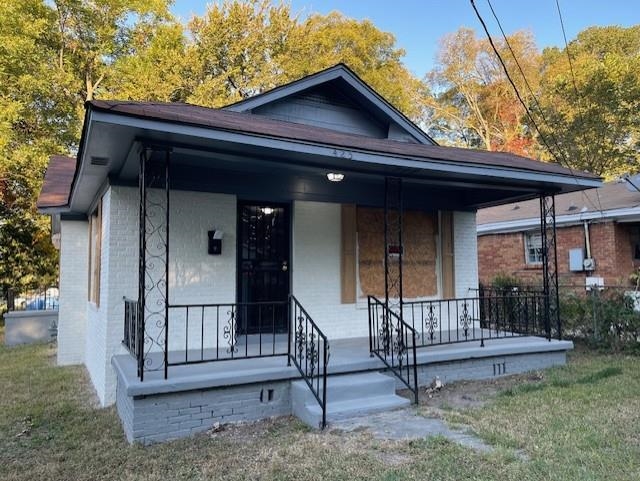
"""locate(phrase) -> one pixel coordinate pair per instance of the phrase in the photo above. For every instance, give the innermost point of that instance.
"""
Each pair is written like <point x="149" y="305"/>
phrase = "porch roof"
<point x="115" y="130"/>
<point x="57" y="182"/>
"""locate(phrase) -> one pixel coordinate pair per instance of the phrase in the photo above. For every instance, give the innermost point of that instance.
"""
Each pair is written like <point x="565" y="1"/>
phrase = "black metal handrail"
<point x="481" y="318"/>
<point x="202" y="333"/>
<point x="394" y="342"/>
<point x="130" y="338"/>
<point x="306" y="344"/>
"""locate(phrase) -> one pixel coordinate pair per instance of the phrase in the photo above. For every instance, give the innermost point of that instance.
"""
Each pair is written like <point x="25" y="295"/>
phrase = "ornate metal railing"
<point x="309" y="351"/>
<point x="131" y="337"/>
<point x="394" y="342"/>
<point x="200" y="333"/>
<point x="44" y="298"/>
<point x="492" y="316"/>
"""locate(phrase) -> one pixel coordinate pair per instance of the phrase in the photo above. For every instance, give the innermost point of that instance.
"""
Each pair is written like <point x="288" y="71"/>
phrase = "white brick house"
<point x="256" y="173"/>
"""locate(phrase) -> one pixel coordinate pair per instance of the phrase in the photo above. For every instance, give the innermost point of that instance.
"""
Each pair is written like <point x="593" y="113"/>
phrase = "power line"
<point x="524" y="77"/>
<point x="575" y="89"/>
<point x="515" y="89"/>
<point x="517" y="92"/>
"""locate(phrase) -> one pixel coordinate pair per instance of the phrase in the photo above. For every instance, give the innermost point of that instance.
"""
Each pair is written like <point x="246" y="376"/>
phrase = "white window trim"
<point x="526" y="236"/>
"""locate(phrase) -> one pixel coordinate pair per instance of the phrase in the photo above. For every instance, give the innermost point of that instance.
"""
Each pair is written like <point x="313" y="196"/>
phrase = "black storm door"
<point x="263" y="267"/>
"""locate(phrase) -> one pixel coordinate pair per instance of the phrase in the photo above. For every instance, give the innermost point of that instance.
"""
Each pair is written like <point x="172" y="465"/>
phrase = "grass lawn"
<point x="581" y="422"/>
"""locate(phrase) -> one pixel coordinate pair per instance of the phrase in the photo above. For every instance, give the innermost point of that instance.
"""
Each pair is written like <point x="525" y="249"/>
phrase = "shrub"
<point x="505" y="281"/>
<point x="604" y="319"/>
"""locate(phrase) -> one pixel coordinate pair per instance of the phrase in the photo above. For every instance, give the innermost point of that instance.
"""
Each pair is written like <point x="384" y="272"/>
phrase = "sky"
<point x="419" y="24"/>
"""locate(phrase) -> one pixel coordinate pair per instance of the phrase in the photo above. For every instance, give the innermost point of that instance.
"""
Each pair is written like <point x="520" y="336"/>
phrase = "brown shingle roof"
<point x="57" y="182"/>
<point x="60" y="173"/>
<point x="258" y="125"/>
<point x="613" y="195"/>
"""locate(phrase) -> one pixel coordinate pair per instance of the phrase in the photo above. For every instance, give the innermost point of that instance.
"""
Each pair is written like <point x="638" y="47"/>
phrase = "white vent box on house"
<point x="576" y="259"/>
<point x="593" y="283"/>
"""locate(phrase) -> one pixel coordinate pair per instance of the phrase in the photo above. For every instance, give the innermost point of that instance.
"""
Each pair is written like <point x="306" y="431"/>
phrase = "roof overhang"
<point x="631" y="214"/>
<point x="117" y="138"/>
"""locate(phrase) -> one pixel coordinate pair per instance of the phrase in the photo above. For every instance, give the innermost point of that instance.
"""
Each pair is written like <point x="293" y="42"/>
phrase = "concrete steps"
<point x="348" y="396"/>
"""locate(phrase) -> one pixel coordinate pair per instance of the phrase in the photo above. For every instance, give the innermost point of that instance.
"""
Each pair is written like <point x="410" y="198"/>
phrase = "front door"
<point x="263" y="267"/>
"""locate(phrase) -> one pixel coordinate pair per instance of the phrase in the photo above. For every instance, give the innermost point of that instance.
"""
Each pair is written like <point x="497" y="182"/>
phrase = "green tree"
<point x="157" y="67"/>
<point x="596" y="121"/>
<point x="238" y="47"/>
<point x="242" y="48"/>
<point x="472" y="102"/>
<point x="94" y="34"/>
<point x="53" y="56"/>
<point x="322" y="41"/>
<point x="56" y="54"/>
<point x="35" y="120"/>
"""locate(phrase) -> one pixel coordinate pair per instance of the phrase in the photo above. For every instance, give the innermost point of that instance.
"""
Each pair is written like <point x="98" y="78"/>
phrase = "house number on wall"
<point x="343" y="154"/>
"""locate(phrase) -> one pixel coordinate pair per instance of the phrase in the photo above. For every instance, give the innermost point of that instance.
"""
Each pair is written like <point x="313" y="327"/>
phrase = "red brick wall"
<point x="611" y="246"/>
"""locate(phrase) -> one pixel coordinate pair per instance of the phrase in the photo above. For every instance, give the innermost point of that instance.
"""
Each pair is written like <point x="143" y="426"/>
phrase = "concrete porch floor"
<point x="346" y="356"/>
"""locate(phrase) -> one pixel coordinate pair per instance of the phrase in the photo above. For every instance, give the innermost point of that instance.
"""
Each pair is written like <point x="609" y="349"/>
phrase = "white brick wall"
<point x="465" y="245"/>
<point x="96" y="317"/>
<point x="74" y="238"/>
<point x="316" y="270"/>
<point x="194" y="276"/>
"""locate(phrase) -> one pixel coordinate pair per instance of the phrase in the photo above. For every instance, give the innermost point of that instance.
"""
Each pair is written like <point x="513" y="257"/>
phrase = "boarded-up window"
<point x="419" y="253"/>
<point x="95" y="253"/>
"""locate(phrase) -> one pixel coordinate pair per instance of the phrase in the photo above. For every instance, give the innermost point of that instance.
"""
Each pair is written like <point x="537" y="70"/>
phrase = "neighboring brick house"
<point x="602" y="224"/>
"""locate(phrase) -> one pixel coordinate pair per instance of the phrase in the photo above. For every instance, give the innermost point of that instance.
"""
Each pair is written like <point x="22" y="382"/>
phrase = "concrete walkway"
<point x="405" y="424"/>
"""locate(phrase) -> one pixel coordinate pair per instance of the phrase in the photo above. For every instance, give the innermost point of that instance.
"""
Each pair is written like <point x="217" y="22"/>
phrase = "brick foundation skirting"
<point x="162" y="417"/>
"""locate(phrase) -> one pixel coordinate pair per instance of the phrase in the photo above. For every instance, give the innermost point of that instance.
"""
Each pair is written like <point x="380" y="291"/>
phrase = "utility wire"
<point x="524" y="77"/>
<point x="515" y="89"/>
<point x="517" y="92"/>
<point x="575" y="88"/>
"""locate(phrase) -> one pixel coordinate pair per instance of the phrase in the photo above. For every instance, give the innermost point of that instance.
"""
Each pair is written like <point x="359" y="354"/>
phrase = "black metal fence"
<point x="493" y="315"/>
<point x="218" y="332"/>
<point x="40" y="299"/>
<point x="309" y="351"/>
<point x="132" y="337"/>
<point x="394" y="341"/>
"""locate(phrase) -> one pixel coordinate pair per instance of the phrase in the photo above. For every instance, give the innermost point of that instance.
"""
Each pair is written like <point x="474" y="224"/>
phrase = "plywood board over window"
<point x="419" y="254"/>
<point x="95" y="253"/>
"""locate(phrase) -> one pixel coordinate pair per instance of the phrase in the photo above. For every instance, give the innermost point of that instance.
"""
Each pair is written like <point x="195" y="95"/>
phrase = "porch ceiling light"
<point x="335" y="176"/>
<point x="267" y="210"/>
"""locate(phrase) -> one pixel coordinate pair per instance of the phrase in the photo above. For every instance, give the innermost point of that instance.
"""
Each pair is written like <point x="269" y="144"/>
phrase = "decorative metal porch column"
<point x="153" y="261"/>
<point x="550" y="265"/>
<point x="393" y="244"/>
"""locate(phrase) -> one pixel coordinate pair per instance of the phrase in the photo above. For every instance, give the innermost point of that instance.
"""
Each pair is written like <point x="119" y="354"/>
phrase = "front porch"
<point x="337" y="249"/>
<point x="197" y="396"/>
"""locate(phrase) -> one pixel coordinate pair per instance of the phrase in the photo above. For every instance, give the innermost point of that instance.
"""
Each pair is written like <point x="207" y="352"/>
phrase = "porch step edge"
<point x="347" y="387"/>
<point x="340" y="410"/>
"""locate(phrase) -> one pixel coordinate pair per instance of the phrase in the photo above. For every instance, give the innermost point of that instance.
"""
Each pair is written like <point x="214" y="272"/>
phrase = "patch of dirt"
<point x="245" y="432"/>
<point x="471" y="394"/>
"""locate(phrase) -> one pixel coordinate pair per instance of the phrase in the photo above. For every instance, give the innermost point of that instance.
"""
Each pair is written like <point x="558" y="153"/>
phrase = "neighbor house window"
<point x="95" y="253"/>
<point x="533" y="247"/>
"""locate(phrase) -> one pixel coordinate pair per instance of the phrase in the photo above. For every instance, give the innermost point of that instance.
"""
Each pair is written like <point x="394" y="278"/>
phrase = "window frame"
<point x="529" y="246"/>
